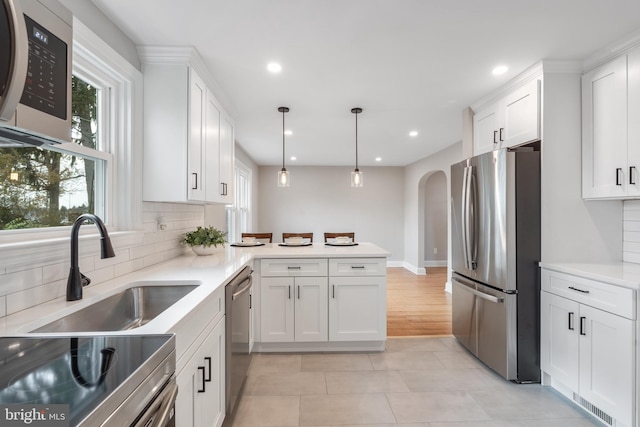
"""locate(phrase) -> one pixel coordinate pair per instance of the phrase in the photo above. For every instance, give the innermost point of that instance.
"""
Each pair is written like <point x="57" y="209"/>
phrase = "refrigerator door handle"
<point x="479" y="294"/>
<point x="472" y="243"/>
<point x="464" y="215"/>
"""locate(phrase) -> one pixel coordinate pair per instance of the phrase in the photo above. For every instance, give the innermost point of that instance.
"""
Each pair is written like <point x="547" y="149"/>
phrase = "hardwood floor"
<point x="418" y="305"/>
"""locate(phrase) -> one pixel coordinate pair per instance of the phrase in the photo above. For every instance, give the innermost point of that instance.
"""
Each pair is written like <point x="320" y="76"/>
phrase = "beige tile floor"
<point x="416" y="382"/>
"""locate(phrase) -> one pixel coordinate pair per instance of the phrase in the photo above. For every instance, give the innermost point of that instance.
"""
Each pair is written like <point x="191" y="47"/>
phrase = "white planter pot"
<point x="207" y="250"/>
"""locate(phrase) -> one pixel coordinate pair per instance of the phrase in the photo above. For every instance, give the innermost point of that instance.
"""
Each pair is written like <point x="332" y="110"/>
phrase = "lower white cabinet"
<point x="201" y="383"/>
<point x="294" y="309"/>
<point x="357" y="309"/>
<point x="588" y="348"/>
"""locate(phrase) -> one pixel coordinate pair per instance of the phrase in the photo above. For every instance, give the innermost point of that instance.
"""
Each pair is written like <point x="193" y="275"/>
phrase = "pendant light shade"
<point x="283" y="174"/>
<point x="356" y="175"/>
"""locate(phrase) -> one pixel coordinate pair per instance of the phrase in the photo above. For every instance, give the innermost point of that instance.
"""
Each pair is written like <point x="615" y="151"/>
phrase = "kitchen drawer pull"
<point x="289" y="291"/>
<point x="357" y="267"/>
<point x="618" y="172"/>
<point x="632" y="169"/>
<point x="201" y="368"/>
<point x="501" y="130"/>
<point x="571" y="321"/>
<point x="298" y="291"/>
<point x="578" y="290"/>
<point x="495" y="136"/>
<point x="583" y="326"/>
<point x="333" y="291"/>
<point x="194" y="182"/>
<point x="208" y="379"/>
<point x="294" y="267"/>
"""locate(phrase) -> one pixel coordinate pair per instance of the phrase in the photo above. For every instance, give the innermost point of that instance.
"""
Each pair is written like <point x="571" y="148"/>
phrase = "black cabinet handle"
<point x="583" y="326"/>
<point x="618" y="180"/>
<point x="578" y="290"/>
<point x="208" y="379"/>
<point x="495" y="136"/>
<point x="294" y="267"/>
<point x="289" y="291"/>
<point x="250" y="302"/>
<point x="298" y="291"/>
<point x="201" y="368"/>
<point x="501" y="130"/>
<point x="357" y="267"/>
<point x="194" y="184"/>
<point x="223" y="189"/>
<point x="570" y="321"/>
<point x="632" y="169"/>
<point x="333" y="291"/>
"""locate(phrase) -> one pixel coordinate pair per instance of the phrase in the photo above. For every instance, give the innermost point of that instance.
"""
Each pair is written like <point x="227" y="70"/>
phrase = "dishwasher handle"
<point x="242" y="287"/>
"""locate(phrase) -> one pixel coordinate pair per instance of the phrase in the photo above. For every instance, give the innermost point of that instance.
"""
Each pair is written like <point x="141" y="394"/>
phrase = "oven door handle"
<point x="243" y="288"/>
<point x="167" y="405"/>
<point x="161" y="408"/>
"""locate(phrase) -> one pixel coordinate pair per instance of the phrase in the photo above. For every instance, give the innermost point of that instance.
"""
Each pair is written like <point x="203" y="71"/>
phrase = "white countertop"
<point x="209" y="272"/>
<point x="625" y="274"/>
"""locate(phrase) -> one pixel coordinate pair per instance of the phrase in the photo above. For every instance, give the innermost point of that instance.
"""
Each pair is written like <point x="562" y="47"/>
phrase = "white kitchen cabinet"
<point x="588" y="345"/>
<point x="294" y="309"/>
<point x="188" y="136"/>
<point x="508" y="122"/>
<point x="606" y="170"/>
<point x="358" y="299"/>
<point x="201" y="383"/>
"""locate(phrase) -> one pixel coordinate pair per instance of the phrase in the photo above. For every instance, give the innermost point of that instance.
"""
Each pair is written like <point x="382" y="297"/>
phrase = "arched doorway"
<point x="434" y="237"/>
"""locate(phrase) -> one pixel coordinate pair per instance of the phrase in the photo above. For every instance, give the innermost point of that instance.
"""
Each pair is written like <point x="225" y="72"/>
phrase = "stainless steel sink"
<point x="131" y="308"/>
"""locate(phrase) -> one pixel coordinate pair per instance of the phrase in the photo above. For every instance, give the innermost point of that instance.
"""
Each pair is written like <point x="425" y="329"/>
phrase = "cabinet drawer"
<point x="293" y="267"/>
<point x="614" y="299"/>
<point x="358" y="267"/>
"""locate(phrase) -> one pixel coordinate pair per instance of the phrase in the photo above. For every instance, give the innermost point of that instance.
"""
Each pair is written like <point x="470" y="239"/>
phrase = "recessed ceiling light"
<point x="293" y="158"/>
<point x="378" y="159"/>
<point x="500" y="69"/>
<point x="288" y="132"/>
<point x="413" y="133"/>
<point x="274" y="67"/>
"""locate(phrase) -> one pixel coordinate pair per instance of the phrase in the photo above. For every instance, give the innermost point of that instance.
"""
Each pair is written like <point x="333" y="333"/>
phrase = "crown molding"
<point x="612" y="51"/>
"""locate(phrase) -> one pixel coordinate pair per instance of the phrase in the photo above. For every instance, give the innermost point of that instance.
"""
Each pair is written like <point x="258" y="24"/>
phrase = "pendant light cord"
<point x="356" y="141"/>
<point x="283" y="139"/>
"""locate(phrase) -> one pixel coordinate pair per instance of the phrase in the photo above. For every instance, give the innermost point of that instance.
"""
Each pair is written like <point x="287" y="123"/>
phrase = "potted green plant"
<point x="205" y="240"/>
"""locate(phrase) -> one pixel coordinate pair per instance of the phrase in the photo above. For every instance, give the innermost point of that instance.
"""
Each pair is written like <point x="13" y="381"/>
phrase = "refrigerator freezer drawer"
<point x="463" y="321"/>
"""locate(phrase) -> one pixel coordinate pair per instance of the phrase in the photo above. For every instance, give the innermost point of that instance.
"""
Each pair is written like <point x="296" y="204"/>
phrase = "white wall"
<point x="321" y="199"/>
<point x="573" y="230"/>
<point x="415" y="174"/>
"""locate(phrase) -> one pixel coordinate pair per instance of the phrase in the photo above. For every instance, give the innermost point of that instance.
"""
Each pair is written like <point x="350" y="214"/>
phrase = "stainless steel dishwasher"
<point x="238" y="351"/>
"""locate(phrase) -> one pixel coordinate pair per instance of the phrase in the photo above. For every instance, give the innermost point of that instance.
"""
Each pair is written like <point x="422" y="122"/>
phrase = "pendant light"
<point x="356" y="175"/>
<point x="283" y="174"/>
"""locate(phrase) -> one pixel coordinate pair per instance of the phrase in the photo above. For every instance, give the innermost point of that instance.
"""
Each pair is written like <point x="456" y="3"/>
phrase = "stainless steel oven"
<point x="238" y="346"/>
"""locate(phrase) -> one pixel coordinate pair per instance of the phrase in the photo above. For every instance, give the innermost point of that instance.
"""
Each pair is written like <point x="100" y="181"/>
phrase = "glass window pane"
<point x="44" y="188"/>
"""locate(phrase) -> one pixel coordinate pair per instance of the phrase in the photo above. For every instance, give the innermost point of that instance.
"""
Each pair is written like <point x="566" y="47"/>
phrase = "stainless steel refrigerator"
<point x="495" y="221"/>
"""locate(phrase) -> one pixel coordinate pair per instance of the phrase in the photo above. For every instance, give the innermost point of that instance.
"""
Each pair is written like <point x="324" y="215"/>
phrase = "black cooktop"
<point x="79" y="371"/>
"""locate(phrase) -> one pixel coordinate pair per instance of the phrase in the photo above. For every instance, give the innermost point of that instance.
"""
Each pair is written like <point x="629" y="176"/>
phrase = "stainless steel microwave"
<point x="36" y="41"/>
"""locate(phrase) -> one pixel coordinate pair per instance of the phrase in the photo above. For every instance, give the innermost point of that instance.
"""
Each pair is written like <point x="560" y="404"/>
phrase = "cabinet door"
<point x="225" y="184"/>
<point x="276" y="309"/>
<point x="188" y="383"/>
<point x="521" y="116"/>
<point x="357" y="309"/>
<point x="212" y="149"/>
<point x="607" y="361"/>
<point x="485" y="130"/>
<point x="633" y="121"/>
<point x="559" y="338"/>
<point x="311" y="309"/>
<point x="604" y="130"/>
<point x="212" y="358"/>
<point x="197" y="122"/>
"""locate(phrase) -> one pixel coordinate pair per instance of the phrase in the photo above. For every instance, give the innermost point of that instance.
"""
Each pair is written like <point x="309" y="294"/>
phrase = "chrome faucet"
<point x="77" y="280"/>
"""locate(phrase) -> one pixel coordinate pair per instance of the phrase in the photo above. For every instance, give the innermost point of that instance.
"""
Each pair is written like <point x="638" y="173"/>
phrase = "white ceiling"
<point x="410" y="64"/>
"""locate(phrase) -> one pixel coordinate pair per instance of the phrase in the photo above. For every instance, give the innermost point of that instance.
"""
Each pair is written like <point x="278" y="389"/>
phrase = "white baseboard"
<point x="447" y="287"/>
<point x="435" y="263"/>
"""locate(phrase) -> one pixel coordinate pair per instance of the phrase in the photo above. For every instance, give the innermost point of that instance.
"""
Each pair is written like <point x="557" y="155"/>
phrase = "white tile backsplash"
<point x="22" y="287"/>
<point x="631" y="231"/>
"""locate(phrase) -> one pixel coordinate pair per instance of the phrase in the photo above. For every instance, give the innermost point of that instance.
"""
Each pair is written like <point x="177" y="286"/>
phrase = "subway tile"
<point x="25" y="279"/>
<point x="31" y="297"/>
<point x="3" y="306"/>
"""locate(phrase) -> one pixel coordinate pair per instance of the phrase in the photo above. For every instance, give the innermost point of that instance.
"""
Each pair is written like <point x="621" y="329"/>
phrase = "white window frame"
<point x="92" y="56"/>
<point x="235" y="214"/>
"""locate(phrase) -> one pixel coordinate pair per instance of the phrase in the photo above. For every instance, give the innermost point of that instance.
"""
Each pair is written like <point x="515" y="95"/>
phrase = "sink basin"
<point x="131" y="308"/>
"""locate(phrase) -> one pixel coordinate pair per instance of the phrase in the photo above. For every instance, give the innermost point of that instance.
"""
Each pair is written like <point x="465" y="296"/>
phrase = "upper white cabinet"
<point x="188" y="136"/>
<point x="611" y="130"/>
<point x="510" y="121"/>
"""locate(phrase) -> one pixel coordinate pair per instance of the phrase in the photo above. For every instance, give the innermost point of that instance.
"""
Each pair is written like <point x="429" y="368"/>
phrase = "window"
<point x="239" y="215"/>
<point x="50" y="186"/>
